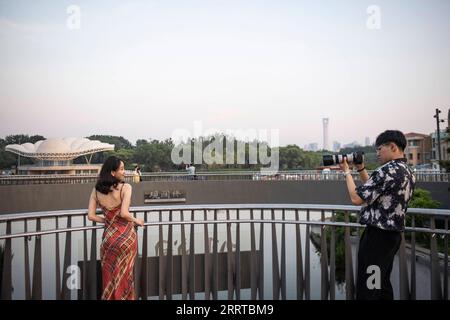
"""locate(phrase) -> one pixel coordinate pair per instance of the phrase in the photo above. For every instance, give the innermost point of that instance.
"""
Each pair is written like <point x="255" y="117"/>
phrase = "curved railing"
<point x="298" y="175"/>
<point x="198" y="268"/>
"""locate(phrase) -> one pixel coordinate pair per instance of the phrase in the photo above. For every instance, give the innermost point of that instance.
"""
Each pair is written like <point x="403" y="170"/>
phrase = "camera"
<point x="334" y="159"/>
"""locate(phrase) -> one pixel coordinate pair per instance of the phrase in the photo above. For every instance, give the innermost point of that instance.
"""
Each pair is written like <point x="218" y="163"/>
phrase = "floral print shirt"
<point x="386" y="195"/>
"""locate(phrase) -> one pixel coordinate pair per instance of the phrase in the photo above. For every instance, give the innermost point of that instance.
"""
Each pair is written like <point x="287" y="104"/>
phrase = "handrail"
<point x="289" y="206"/>
<point x="207" y="175"/>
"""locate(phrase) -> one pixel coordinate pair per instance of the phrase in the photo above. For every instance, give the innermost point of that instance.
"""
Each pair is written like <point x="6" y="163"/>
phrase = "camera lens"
<point x="328" y="160"/>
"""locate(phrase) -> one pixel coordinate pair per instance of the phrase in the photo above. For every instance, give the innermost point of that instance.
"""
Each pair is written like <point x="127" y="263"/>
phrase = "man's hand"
<point x="359" y="166"/>
<point x="344" y="165"/>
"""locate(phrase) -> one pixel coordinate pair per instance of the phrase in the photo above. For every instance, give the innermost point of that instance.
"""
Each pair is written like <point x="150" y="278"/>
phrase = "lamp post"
<point x="438" y="135"/>
<point x="18" y="161"/>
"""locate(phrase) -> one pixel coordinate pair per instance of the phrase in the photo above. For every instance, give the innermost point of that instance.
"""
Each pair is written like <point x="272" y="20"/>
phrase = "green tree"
<point x="291" y="157"/>
<point x="154" y="155"/>
<point x="126" y="155"/>
<point x="421" y="198"/>
<point x="8" y="159"/>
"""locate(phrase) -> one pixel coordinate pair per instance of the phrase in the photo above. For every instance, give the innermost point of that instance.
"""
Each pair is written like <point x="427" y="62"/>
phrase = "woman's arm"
<point x="126" y="201"/>
<point x="92" y="208"/>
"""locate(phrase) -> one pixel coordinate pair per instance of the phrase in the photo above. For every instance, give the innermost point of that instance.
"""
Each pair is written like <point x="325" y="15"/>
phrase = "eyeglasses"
<point x="382" y="145"/>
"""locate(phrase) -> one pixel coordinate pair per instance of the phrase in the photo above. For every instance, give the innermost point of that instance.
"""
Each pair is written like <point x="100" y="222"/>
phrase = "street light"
<point x="438" y="134"/>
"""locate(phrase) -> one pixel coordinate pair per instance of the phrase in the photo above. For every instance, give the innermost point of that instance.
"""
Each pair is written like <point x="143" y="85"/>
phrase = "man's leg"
<point x="377" y="248"/>
<point x="386" y="287"/>
<point x="361" y="287"/>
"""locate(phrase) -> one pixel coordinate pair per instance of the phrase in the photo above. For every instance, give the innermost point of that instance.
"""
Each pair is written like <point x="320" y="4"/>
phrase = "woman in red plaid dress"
<point x="119" y="245"/>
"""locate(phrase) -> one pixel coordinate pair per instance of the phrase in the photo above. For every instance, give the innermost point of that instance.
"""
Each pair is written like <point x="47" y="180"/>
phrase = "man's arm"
<point x="354" y="197"/>
<point x="362" y="174"/>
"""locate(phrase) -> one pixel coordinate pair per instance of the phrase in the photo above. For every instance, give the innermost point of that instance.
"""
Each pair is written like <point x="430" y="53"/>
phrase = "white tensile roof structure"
<point x="59" y="148"/>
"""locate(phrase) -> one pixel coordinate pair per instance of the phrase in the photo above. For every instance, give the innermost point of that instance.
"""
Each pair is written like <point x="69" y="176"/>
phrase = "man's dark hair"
<point x="393" y="136"/>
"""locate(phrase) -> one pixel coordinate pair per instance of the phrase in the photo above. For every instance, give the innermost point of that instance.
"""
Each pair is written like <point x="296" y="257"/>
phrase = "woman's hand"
<point x="139" y="222"/>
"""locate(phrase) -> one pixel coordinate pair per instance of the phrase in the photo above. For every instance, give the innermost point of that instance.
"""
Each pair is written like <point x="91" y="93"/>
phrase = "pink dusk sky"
<point x="143" y="69"/>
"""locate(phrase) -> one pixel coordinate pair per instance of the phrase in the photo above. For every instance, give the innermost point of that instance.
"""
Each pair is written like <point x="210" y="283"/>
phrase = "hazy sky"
<point x="142" y="69"/>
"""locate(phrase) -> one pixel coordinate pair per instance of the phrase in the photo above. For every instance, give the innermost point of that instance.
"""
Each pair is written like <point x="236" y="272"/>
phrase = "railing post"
<point x="230" y="274"/>
<point x="436" y="291"/>
<point x="446" y="261"/>
<point x="299" y="260"/>
<point x="85" y="263"/>
<point x="283" y="258"/>
<point x="144" y="262"/>
<point x="413" y="259"/>
<point x="162" y="266"/>
<point x="261" y="259"/>
<point x="403" y="270"/>
<point x="184" y="278"/>
<point x="323" y="260"/>
<point x="192" y="260"/>
<point x="65" y="294"/>
<point x="349" y="280"/>
<point x="57" y="264"/>
<point x="333" y="258"/>
<point x="169" y="260"/>
<point x="215" y="266"/>
<point x="207" y="259"/>
<point x="7" y="268"/>
<point x="27" y="262"/>
<point x="237" y="266"/>
<point x="307" y="260"/>
<point x="92" y="278"/>
<point x="37" y="268"/>
<point x="275" y="267"/>
<point x="253" y="263"/>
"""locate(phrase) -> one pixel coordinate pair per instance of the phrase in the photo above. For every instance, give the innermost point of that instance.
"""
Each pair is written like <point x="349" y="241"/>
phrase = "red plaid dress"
<point x="117" y="253"/>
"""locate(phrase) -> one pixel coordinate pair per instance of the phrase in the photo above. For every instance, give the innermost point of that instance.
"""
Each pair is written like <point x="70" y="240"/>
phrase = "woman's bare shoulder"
<point x="127" y="187"/>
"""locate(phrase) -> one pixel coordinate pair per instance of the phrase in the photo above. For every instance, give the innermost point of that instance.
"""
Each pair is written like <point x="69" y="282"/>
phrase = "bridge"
<point x="241" y="251"/>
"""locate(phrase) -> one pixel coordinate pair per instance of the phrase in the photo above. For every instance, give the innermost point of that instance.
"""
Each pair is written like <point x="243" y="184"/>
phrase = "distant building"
<point x="325" y="133"/>
<point x="367" y="141"/>
<point x="353" y="144"/>
<point x="336" y="146"/>
<point x="418" y="148"/>
<point x="55" y="156"/>
<point x="444" y="146"/>
<point x="312" y="147"/>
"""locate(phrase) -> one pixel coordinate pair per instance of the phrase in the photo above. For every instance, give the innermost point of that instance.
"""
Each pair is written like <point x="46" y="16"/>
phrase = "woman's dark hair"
<point x="393" y="136"/>
<point x="105" y="179"/>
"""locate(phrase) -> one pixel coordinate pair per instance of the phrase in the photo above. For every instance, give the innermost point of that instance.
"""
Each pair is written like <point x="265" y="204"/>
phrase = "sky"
<point x="145" y="69"/>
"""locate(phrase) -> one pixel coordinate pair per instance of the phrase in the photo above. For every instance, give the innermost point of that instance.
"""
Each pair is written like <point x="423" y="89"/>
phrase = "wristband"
<point x="346" y="173"/>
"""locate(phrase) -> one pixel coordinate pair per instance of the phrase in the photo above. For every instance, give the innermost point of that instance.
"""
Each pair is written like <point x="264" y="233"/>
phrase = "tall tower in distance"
<point x="325" y="133"/>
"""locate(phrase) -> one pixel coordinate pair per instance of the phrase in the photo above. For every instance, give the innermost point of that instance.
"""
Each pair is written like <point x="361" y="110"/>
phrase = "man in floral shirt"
<point x="384" y="199"/>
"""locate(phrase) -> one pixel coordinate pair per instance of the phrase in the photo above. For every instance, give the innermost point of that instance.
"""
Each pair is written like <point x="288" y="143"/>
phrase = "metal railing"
<point x="202" y="176"/>
<point x="210" y="270"/>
